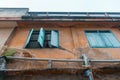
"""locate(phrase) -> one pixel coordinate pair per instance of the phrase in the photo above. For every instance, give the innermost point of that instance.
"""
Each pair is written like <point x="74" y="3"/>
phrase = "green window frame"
<point x="102" y="39"/>
<point x="42" y="39"/>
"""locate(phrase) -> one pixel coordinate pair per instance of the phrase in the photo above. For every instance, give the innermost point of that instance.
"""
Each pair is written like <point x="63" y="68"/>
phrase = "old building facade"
<point x="60" y="34"/>
<point x="57" y="36"/>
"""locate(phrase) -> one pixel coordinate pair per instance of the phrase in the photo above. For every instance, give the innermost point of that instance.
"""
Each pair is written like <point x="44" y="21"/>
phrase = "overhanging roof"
<point x="18" y="14"/>
<point x="73" y="16"/>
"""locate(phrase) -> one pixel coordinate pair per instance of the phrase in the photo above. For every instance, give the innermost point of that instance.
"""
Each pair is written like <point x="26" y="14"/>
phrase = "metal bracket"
<point x="49" y="64"/>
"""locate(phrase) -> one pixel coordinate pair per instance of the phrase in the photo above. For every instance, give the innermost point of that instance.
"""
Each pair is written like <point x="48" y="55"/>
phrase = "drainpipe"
<point x="2" y="66"/>
<point x="87" y="72"/>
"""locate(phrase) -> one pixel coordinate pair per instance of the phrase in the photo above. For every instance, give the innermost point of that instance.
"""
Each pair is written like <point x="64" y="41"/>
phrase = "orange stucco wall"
<point x="4" y="34"/>
<point x="71" y="38"/>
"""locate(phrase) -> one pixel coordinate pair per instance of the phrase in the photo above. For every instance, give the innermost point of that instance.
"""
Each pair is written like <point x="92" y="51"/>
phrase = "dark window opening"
<point x="42" y="39"/>
<point x="47" y="39"/>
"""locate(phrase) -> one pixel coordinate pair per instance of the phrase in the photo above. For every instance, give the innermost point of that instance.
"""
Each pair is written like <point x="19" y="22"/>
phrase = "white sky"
<point x="65" y="5"/>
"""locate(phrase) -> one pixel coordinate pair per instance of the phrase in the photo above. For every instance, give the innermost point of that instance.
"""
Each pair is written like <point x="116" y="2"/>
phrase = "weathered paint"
<point x="71" y="37"/>
<point x="8" y="24"/>
<point x="4" y="35"/>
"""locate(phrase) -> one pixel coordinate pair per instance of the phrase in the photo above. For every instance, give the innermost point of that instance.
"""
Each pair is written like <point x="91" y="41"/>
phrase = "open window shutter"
<point x="29" y="36"/>
<point x="41" y="37"/>
<point x="54" y="39"/>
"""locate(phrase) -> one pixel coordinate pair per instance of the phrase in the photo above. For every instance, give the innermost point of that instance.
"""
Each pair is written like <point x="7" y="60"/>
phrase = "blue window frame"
<point x="102" y="39"/>
<point x="42" y="39"/>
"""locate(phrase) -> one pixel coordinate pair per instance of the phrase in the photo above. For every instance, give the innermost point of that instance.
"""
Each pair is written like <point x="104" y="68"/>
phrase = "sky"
<point x="64" y="5"/>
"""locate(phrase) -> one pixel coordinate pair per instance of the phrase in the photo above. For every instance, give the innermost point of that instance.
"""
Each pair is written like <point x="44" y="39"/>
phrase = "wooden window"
<point x="42" y="39"/>
<point x="102" y="39"/>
